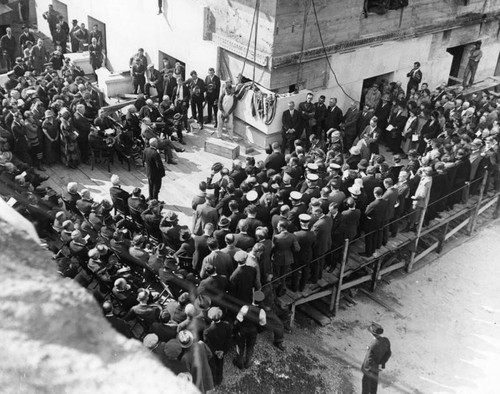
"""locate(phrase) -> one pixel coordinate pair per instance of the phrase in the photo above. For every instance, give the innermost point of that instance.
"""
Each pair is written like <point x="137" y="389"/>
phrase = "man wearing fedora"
<point x="377" y="355"/>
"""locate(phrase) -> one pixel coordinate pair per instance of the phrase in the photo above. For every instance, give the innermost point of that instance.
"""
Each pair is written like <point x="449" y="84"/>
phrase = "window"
<point x="382" y="6"/>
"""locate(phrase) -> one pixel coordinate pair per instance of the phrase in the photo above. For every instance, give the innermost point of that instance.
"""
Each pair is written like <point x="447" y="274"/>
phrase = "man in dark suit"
<point x="370" y="182"/>
<point x="307" y="242"/>
<point x="169" y="83"/>
<point x="383" y="112"/>
<point x="290" y="121"/>
<point x="375" y="218"/>
<point x="205" y="213"/>
<point x="307" y="112"/>
<point x="285" y="245"/>
<point x="118" y="324"/>
<point x="119" y="197"/>
<point x="243" y="240"/>
<point x="154" y="168"/>
<point x="82" y="126"/>
<point x="154" y="79"/>
<point x="377" y="355"/>
<point x="137" y="72"/>
<point x="364" y="119"/>
<point x="351" y="125"/>
<point x="320" y="116"/>
<point x="415" y="77"/>
<point x="212" y="85"/>
<point x="201" y="249"/>
<point x="397" y="122"/>
<point x="391" y="195"/>
<point x="276" y="160"/>
<point x="218" y="337"/>
<point x="334" y="116"/>
<point x="322" y="228"/>
<point x="196" y="105"/>
<point x="350" y="220"/>
<point x="181" y="93"/>
<point x="244" y="280"/>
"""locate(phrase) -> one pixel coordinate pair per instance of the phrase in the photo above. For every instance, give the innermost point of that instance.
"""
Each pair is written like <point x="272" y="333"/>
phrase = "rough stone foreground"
<point x="54" y="338"/>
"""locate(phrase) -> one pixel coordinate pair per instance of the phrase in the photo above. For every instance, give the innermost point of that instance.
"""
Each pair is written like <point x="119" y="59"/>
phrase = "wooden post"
<point x="335" y="301"/>
<point x="419" y="230"/>
<point x="292" y="315"/>
<point x="442" y="238"/>
<point x="466" y="192"/>
<point x="496" y="212"/>
<point x="475" y="211"/>
<point x="376" y="271"/>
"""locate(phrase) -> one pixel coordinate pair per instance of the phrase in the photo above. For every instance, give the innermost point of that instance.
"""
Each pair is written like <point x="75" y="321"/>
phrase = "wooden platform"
<point x="358" y="269"/>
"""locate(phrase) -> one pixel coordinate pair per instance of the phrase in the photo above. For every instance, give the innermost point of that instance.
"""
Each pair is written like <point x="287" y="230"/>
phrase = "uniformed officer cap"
<point x="312" y="177"/>
<point x="295" y="195"/>
<point x="304" y="217"/>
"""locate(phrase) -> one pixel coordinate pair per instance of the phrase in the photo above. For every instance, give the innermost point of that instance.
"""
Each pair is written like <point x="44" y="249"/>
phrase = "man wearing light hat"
<point x="304" y="256"/>
<point x="298" y="207"/>
<point x="195" y="357"/>
<point x="310" y="188"/>
<point x="377" y="355"/>
<point x="218" y="338"/>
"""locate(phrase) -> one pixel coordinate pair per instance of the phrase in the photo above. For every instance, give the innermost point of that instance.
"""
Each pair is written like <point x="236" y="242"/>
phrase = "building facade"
<point x="364" y="40"/>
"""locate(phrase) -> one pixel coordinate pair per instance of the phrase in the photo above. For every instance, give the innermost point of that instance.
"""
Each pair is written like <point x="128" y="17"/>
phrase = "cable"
<point x="250" y="37"/>
<point x="326" y="53"/>
<point x="257" y="6"/>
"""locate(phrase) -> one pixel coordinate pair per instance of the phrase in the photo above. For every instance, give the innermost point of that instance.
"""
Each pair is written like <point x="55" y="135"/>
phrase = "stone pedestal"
<point x="219" y="147"/>
<point x="113" y="85"/>
<point x="81" y="59"/>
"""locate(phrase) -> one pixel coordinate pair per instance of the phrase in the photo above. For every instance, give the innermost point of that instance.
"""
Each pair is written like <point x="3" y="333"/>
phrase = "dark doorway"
<point x="61" y="8"/>
<point x="381" y="79"/>
<point x="102" y="28"/>
<point x="457" y="53"/>
<point x="171" y="62"/>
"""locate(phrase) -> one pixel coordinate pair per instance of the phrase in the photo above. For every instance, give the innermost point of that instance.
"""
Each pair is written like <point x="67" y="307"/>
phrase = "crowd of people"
<point x="260" y="228"/>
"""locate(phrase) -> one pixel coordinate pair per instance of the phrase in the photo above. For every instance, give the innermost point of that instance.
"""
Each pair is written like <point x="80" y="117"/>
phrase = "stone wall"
<point x="54" y="338"/>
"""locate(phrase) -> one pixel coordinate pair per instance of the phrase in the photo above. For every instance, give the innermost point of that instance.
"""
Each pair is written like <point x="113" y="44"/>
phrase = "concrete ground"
<point x="443" y="321"/>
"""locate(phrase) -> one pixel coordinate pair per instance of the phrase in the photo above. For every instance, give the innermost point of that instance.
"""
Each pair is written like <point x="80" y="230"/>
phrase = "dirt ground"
<point x="443" y="321"/>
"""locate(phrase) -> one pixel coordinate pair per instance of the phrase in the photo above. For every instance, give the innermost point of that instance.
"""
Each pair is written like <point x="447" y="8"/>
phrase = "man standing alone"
<point x="377" y="355"/>
<point x="154" y="168"/>
<point x="470" y="70"/>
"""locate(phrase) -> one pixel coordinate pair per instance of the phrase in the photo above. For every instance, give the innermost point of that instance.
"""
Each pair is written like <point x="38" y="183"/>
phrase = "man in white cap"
<point x="311" y="188"/>
<point x="377" y="355"/>
<point x="304" y="256"/>
<point x="298" y="207"/>
<point x="218" y="338"/>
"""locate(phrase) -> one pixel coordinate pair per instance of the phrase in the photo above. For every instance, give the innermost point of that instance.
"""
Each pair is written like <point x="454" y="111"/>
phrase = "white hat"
<point x="312" y="177"/>
<point x="252" y="196"/>
<point x="354" y="190"/>
<point x="304" y="217"/>
<point x="295" y="195"/>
